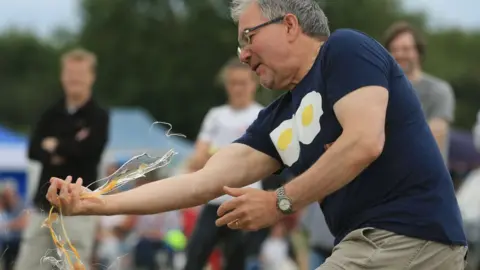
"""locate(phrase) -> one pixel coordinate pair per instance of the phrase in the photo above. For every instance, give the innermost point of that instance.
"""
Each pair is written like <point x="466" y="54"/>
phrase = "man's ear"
<point x="292" y="26"/>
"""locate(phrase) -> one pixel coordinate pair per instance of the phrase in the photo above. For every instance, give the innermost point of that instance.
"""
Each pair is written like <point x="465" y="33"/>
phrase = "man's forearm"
<point x="338" y="166"/>
<point x="169" y="194"/>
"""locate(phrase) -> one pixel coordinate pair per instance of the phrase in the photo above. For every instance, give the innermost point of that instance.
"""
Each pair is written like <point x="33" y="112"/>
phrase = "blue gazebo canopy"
<point x="10" y="137"/>
<point x="131" y="129"/>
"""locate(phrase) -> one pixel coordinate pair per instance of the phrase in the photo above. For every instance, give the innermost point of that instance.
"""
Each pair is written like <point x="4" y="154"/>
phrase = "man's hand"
<point x="70" y="199"/>
<point x="82" y="134"/>
<point x="251" y="209"/>
<point x="49" y="144"/>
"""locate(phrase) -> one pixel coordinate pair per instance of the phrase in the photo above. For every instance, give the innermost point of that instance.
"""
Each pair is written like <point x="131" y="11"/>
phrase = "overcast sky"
<point x="44" y="15"/>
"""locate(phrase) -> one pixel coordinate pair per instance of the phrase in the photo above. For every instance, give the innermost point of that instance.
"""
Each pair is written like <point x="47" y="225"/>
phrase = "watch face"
<point x="284" y="204"/>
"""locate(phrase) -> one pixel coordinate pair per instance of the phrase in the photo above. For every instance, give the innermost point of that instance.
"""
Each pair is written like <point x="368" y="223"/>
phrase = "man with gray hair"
<point x="351" y="129"/>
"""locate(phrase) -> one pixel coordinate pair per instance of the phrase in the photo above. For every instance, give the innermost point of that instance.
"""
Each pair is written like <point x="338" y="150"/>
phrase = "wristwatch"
<point x="284" y="203"/>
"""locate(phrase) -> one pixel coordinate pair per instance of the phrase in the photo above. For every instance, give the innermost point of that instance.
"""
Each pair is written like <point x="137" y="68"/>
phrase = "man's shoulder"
<point x="436" y="82"/>
<point x="275" y="105"/>
<point x="257" y="106"/>
<point x="347" y="33"/>
<point x="348" y="43"/>
<point x="98" y="106"/>
<point x="346" y="37"/>
<point x="54" y="107"/>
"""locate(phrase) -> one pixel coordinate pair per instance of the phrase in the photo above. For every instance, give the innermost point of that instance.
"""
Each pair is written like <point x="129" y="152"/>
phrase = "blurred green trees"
<point x="165" y="55"/>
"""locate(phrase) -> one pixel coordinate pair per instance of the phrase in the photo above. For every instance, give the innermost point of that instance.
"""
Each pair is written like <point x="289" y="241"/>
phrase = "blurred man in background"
<point x="221" y="126"/>
<point x="436" y="96"/>
<point x="69" y="139"/>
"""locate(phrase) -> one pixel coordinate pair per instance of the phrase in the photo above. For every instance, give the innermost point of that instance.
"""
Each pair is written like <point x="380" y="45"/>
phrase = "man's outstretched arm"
<point x="235" y="166"/>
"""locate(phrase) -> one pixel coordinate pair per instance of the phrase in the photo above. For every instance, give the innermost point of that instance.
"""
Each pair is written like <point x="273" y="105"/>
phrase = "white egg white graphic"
<point x="285" y="139"/>
<point x="307" y="117"/>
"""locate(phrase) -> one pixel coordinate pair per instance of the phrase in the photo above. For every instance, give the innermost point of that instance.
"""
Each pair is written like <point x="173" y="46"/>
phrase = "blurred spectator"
<point x="276" y="249"/>
<point x="111" y="235"/>
<point x="320" y="238"/>
<point x="436" y="96"/>
<point x="15" y="221"/>
<point x="69" y="139"/>
<point x="151" y="251"/>
<point x="221" y="126"/>
<point x="255" y="239"/>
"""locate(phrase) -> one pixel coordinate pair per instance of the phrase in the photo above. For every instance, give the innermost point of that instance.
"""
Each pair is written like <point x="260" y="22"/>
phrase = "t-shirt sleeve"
<point x="257" y="136"/>
<point x="443" y="103"/>
<point x="208" y="127"/>
<point x="353" y="61"/>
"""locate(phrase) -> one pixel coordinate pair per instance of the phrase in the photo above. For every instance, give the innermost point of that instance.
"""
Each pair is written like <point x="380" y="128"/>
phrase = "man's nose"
<point x="244" y="56"/>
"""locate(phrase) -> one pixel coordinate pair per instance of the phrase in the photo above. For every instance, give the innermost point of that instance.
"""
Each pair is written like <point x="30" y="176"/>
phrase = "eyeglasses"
<point x="246" y="37"/>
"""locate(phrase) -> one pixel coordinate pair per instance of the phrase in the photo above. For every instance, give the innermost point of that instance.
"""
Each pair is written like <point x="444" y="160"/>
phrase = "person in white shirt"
<point x="275" y="250"/>
<point x="221" y="126"/>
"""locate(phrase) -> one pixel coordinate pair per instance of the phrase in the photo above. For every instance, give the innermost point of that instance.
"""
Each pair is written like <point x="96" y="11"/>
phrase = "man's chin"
<point x="273" y="87"/>
<point x="268" y="84"/>
<point x="407" y="68"/>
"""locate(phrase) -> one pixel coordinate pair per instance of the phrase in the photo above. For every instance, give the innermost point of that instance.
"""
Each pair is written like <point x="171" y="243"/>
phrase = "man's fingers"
<point x="229" y="206"/>
<point x="79" y="184"/>
<point x="52" y="192"/>
<point x="229" y="218"/>
<point x="77" y="190"/>
<point x="64" y="200"/>
<point x="57" y="180"/>
<point x="235" y="192"/>
<point x="64" y="190"/>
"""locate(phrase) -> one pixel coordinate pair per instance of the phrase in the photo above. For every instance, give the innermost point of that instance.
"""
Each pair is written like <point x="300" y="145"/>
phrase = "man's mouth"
<point x="255" y="67"/>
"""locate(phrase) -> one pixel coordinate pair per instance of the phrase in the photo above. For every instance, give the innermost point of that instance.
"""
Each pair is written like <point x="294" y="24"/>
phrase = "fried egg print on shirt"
<point x="285" y="139"/>
<point x="307" y="117"/>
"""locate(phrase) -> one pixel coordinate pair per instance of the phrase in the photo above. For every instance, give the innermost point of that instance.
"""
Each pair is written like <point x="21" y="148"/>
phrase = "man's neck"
<point x="77" y="102"/>
<point x="415" y="75"/>
<point x="307" y="58"/>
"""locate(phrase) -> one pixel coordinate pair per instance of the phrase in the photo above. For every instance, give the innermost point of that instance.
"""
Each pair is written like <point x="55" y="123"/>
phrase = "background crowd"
<point x="81" y="103"/>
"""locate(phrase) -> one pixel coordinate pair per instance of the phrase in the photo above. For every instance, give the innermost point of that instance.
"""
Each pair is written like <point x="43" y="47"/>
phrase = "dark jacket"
<point x="80" y="154"/>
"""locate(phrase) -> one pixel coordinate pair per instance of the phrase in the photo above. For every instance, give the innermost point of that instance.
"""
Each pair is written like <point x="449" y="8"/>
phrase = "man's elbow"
<point x="371" y="146"/>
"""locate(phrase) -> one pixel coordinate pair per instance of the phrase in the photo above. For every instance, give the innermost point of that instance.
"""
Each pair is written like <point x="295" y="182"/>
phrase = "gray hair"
<point x="310" y="16"/>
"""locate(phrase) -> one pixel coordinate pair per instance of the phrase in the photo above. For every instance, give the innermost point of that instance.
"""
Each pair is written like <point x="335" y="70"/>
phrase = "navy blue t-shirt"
<point x="408" y="189"/>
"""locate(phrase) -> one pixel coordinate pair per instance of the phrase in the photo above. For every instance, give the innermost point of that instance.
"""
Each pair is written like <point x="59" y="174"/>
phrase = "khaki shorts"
<point x="371" y="248"/>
